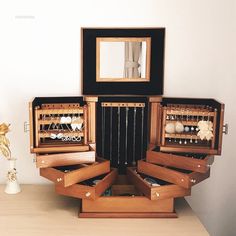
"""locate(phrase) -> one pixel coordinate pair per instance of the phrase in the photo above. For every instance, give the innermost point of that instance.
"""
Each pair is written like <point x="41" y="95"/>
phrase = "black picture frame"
<point x="153" y="87"/>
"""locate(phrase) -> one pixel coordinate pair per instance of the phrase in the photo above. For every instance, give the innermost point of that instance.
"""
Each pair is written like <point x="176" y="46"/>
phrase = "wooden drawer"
<point x="87" y="189"/>
<point x="164" y="191"/>
<point x="60" y="149"/>
<point x="127" y="204"/>
<point x="69" y="175"/>
<point x="122" y="203"/>
<point x="195" y="162"/>
<point x="183" y="178"/>
<point x="65" y="159"/>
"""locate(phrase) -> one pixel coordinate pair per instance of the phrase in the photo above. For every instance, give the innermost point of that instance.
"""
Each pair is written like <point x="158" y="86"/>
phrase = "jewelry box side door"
<point x="188" y="113"/>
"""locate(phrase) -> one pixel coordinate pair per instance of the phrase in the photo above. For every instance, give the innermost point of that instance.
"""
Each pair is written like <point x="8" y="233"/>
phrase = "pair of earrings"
<point x="71" y="138"/>
<point x="65" y="120"/>
<point x="56" y="136"/>
<point x="176" y="127"/>
<point x="77" y="123"/>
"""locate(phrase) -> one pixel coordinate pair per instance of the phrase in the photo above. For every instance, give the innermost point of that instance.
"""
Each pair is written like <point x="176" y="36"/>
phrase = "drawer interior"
<point x="70" y="168"/>
<point x="121" y="187"/>
<point x="180" y="170"/>
<point x="123" y="197"/>
<point x="152" y="181"/>
<point x="91" y="188"/>
<point x="93" y="181"/>
<point x="198" y="156"/>
<point x="66" y="169"/>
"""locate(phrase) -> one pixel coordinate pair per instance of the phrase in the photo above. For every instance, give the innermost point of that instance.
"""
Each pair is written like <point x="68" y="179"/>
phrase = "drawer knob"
<point x="182" y="180"/>
<point x="42" y="162"/>
<point x="59" y="179"/>
<point x="198" y="166"/>
<point x="87" y="194"/>
<point x="157" y="194"/>
<point x="193" y="181"/>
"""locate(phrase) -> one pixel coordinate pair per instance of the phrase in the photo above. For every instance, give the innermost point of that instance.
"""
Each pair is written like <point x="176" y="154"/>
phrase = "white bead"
<point x="170" y="128"/>
<point x="186" y="129"/>
<point x="179" y="128"/>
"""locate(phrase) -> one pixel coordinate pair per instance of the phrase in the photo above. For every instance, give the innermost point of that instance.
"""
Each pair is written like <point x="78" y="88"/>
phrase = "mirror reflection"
<point x="123" y="59"/>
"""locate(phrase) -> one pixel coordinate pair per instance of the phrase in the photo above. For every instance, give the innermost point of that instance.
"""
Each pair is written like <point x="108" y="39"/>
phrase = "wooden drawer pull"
<point x="157" y="194"/>
<point x="59" y="179"/>
<point x="87" y="194"/>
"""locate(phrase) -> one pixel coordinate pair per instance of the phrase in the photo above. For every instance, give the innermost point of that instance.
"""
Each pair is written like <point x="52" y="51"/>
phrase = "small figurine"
<point x="12" y="186"/>
<point x="4" y="142"/>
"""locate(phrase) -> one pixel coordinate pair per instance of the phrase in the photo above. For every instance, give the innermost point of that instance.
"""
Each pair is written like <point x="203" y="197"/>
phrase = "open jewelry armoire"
<point x="122" y="148"/>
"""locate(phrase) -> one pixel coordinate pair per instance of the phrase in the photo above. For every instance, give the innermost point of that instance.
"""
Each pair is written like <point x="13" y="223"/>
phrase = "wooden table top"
<point x="39" y="211"/>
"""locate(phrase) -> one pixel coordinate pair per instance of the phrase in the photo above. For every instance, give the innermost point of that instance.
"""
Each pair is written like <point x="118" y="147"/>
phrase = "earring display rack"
<point x="61" y="125"/>
<point x="189" y="126"/>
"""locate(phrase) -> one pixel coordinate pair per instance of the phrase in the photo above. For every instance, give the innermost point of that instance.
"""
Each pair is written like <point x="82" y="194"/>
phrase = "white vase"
<point x="12" y="185"/>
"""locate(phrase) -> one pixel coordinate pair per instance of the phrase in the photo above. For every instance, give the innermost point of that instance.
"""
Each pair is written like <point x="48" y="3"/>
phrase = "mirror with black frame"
<point x="123" y="59"/>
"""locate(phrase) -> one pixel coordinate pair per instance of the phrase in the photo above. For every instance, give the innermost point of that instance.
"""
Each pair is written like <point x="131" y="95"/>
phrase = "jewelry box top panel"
<point x="123" y="61"/>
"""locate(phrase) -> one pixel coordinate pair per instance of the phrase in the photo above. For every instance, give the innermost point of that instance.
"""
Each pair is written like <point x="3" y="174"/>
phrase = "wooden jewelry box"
<point x="129" y="154"/>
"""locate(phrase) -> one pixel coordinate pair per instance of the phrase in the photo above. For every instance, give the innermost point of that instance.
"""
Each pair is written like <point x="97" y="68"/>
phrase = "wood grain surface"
<point x="38" y="211"/>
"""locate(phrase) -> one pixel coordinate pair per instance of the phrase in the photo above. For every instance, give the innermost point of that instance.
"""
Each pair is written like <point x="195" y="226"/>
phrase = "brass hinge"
<point x="225" y="128"/>
<point x="26" y="127"/>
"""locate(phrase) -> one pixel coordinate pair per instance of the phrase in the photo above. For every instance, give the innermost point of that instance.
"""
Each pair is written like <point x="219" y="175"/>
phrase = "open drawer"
<point x="69" y="175"/>
<point x="125" y="200"/>
<point x="89" y="189"/>
<point x="183" y="178"/>
<point x="65" y="159"/>
<point x="186" y="161"/>
<point x="163" y="191"/>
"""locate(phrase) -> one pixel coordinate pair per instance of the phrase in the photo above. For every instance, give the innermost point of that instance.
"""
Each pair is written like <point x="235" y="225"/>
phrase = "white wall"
<point x="40" y="56"/>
